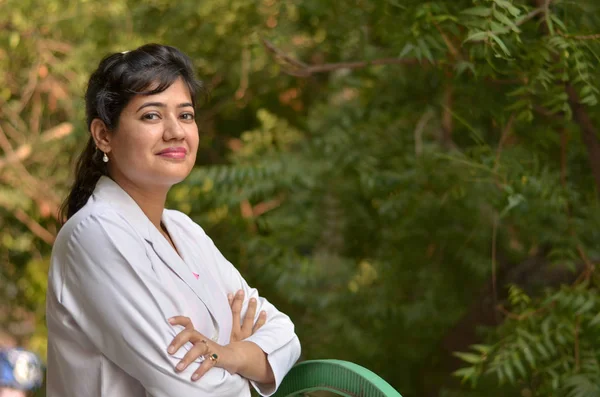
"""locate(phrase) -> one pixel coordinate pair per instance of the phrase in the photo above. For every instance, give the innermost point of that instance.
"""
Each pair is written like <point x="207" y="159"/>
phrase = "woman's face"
<point x="156" y="141"/>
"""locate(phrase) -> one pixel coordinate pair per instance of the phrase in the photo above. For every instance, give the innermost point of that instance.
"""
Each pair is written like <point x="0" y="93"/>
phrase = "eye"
<point x="151" y="116"/>
<point x="188" y="116"/>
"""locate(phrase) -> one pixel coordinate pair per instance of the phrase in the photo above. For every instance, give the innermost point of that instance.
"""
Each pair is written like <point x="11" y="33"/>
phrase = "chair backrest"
<point x="339" y="377"/>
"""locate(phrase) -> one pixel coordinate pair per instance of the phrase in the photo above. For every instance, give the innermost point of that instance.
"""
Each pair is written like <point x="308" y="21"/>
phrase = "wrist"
<point x="234" y="357"/>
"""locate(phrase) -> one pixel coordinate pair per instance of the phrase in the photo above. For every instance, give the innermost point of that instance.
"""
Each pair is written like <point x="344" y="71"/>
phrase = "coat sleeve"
<point x="115" y="297"/>
<point x="277" y="337"/>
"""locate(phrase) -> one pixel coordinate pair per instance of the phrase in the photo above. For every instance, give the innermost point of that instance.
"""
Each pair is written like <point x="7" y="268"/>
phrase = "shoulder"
<point x="183" y="221"/>
<point x="94" y="226"/>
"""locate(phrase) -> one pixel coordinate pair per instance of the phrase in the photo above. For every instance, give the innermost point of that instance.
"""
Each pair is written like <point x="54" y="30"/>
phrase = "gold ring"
<point x="214" y="357"/>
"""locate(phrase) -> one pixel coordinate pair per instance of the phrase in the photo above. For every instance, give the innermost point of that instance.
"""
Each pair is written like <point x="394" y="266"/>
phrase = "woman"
<point x="139" y="299"/>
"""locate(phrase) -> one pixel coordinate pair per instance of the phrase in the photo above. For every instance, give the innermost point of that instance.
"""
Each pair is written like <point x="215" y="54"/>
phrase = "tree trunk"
<point x="589" y="135"/>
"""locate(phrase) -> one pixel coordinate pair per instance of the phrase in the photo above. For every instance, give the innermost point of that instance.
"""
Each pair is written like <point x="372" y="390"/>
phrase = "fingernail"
<point x="229" y="296"/>
<point x="180" y="366"/>
<point x="171" y="349"/>
<point x="252" y="300"/>
<point x="171" y="321"/>
<point x="195" y="377"/>
<point x="263" y="313"/>
<point x="240" y="293"/>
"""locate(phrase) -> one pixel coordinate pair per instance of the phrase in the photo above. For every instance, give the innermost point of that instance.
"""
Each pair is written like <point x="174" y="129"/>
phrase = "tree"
<point x="405" y="179"/>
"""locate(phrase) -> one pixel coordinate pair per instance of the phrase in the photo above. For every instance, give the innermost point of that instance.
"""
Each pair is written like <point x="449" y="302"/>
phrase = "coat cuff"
<point x="281" y="361"/>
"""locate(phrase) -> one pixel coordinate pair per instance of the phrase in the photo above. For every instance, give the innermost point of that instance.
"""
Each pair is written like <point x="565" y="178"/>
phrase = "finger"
<point x="180" y="339"/>
<point x="236" y="309"/>
<point x="181" y="320"/>
<point x="262" y="319"/>
<point x="230" y="298"/>
<point x="204" y="367"/>
<point x="198" y="350"/>
<point x="249" y="318"/>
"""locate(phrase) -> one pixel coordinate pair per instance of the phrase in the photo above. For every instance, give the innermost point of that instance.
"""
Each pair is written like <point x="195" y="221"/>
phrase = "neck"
<point x="151" y="199"/>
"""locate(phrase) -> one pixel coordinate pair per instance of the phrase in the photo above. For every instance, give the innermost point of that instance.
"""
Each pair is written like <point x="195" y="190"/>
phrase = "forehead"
<point x="176" y="94"/>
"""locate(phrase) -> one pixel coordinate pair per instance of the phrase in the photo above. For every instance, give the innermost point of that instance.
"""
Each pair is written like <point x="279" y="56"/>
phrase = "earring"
<point x="105" y="158"/>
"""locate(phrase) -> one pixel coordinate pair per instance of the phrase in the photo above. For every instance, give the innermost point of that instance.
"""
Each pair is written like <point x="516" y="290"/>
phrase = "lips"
<point x="173" y="152"/>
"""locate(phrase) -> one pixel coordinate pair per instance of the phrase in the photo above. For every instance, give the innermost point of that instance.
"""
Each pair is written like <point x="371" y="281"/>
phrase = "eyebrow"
<point x="162" y="105"/>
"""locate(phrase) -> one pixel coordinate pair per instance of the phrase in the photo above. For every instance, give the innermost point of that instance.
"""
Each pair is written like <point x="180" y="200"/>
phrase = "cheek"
<point x="133" y="146"/>
<point x="194" y="139"/>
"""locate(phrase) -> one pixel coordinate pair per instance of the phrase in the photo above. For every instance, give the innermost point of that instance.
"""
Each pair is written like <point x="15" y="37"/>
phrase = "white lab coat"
<point x="115" y="281"/>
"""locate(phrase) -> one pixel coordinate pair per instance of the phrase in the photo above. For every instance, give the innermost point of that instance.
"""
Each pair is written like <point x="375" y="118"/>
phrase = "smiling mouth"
<point x="173" y="153"/>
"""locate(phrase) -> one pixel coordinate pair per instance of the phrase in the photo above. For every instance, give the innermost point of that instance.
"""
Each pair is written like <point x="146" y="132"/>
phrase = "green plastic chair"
<point x="339" y="377"/>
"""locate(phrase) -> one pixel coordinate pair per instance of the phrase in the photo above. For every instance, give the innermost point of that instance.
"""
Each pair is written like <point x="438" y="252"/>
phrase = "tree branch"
<point x="589" y="134"/>
<point x="32" y="225"/>
<point x="522" y="316"/>
<point x="581" y="37"/>
<point x="244" y="79"/>
<point x="421" y="124"/>
<point x="518" y="22"/>
<point x="300" y="69"/>
<point x="447" y="117"/>
<point x="24" y="151"/>
<point x="503" y="137"/>
<point x="577" y="359"/>
<point x="564" y="140"/>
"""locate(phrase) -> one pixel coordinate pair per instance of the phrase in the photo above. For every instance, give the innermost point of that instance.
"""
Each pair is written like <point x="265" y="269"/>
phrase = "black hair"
<point x="147" y="70"/>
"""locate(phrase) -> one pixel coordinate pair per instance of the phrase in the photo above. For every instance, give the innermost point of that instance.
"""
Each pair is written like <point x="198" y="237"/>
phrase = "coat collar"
<point x="109" y="191"/>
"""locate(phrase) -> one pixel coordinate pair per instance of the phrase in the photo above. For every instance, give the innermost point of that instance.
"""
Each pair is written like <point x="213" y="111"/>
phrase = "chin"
<point x="167" y="178"/>
<point x="174" y="179"/>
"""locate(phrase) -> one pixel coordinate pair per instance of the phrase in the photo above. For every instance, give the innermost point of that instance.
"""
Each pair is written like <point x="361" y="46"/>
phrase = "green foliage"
<point x="550" y="342"/>
<point x="369" y="202"/>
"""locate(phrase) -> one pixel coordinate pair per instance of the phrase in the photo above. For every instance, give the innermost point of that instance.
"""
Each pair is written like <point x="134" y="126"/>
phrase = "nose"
<point x="173" y="129"/>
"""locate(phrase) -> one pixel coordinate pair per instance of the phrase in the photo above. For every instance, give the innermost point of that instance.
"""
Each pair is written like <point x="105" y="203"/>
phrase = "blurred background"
<point x="414" y="182"/>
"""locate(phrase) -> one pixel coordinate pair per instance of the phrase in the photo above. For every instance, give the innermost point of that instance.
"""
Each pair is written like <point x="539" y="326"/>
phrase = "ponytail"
<point x="88" y="171"/>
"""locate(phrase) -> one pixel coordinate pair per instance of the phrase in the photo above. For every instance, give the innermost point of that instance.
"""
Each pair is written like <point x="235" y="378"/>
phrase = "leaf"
<point x="516" y="360"/>
<point x="477" y="36"/>
<point x="559" y="22"/>
<point x="590" y="100"/>
<point x="423" y="46"/>
<point x="465" y="373"/>
<point x="478" y="11"/>
<point x="588" y="89"/>
<point x="549" y="23"/>
<point x="513" y="201"/>
<point x="589" y="304"/>
<point x="509" y="7"/>
<point x="469" y="357"/>
<point x="501" y="17"/>
<point x="496" y="28"/>
<point x="595" y="320"/>
<point x="406" y="50"/>
<point x="528" y="354"/>
<point x="523" y="103"/>
<point x="508" y="370"/>
<point x="462" y="66"/>
<point x="543" y="351"/>
<point x="500" y="43"/>
<point x="485" y="349"/>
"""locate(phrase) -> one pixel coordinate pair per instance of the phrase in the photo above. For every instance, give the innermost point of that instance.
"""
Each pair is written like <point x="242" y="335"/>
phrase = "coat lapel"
<point x="108" y="190"/>
<point x="170" y="258"/>
<point x="206" y="287"/>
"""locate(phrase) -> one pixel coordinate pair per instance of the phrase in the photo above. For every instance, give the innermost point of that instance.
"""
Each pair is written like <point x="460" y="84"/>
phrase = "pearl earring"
<point x="105" y="158"/>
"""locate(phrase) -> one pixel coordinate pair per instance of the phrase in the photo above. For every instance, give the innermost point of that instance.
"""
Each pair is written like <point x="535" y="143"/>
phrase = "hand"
<point x="203" y="346"/>
<point x="240" y="331"/>
<point x="227" y="355"/>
